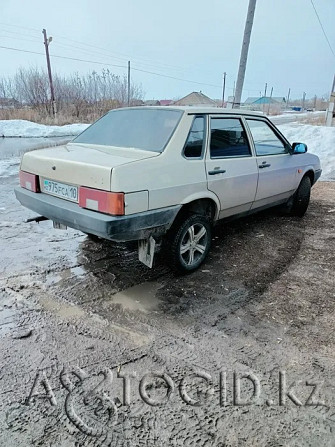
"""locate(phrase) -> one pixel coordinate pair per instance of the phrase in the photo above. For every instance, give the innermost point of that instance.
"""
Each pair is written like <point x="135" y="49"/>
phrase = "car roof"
<point x="190" y="110"/>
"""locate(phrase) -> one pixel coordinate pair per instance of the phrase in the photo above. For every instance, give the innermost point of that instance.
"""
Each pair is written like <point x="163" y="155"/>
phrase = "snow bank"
<point x="320" y="141"/>
<point x="23" y="128"/>
<point x="292" y="117"/>
<point x="9" y="167"/>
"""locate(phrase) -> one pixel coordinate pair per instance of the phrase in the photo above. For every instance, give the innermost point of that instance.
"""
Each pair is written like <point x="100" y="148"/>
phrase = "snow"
<point x="9" y="167"/>
<point x="320" y="141"/>
<point x="28" y="129"/>
<point x="290" y="117"/>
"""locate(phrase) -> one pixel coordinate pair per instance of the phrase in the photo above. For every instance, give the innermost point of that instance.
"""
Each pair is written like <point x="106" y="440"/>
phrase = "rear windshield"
<point x="148" y="129"/>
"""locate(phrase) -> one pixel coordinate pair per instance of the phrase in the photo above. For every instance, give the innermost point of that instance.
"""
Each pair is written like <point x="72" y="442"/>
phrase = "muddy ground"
<point x="240" y="353"/>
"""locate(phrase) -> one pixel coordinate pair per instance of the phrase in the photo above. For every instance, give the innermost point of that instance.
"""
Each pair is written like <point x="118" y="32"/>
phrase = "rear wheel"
<point x="301" y="198"/>
<point x="189" y="243"/>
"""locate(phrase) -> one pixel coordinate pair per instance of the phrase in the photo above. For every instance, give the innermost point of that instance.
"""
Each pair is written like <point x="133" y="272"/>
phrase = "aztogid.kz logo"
<point x="199" y="388"/>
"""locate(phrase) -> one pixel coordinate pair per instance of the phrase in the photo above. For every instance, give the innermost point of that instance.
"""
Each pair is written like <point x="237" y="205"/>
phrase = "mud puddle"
<point x="63" y="310"/>
<point x="141" y="297"/>
<point x="63" y="275"/>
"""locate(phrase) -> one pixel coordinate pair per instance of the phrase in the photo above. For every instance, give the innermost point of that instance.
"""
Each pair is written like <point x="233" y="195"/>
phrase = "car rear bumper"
<point x="116" y="228"/>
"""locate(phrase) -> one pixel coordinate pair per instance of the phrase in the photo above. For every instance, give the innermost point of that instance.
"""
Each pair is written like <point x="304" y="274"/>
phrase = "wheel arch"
<point x="310" y="173"/>
<point x="207" y="206"/>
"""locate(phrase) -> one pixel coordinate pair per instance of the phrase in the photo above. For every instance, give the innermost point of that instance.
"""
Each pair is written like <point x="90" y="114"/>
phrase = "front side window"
<point x="228" y="138"/>
<point x="265" y="140"/>
<point x="147" y="129"/>
<point x="195" y="140"/>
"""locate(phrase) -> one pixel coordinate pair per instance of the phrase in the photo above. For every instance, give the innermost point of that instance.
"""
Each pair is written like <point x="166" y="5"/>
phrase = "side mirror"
<point x="299" y="148"/>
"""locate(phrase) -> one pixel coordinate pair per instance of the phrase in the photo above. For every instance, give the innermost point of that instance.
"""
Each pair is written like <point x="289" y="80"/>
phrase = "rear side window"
<point x="265" y="140"/>
<point x="228" y="138"/>
<point x="195" y="140"/>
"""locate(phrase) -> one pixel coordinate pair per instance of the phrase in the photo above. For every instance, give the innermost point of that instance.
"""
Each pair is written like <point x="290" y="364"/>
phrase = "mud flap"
<point x="146" y="251"/>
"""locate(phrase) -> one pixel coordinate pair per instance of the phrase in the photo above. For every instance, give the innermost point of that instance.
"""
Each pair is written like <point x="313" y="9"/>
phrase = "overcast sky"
<point x="189" y="39"/>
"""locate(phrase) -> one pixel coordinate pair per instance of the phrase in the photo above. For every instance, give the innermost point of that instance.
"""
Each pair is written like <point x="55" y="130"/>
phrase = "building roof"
<point x="166" y="102"/>
<point x="195" y="99"/>
<point x="152" y="102"/>
<point x="250" y="100"/>
<point x="265" y="100"/>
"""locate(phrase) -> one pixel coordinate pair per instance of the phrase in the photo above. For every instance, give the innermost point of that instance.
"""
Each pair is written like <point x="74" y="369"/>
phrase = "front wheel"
<point x="189" y="243"/>
<point x="301" y="198"/>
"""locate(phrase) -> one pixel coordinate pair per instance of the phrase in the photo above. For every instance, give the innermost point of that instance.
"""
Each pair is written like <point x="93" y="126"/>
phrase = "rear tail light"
<point x="103" y="201"/>
<point x="29" y="181"/>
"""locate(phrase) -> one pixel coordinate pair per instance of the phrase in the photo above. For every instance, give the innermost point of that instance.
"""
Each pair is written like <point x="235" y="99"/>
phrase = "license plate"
<point x="68" y="192"/>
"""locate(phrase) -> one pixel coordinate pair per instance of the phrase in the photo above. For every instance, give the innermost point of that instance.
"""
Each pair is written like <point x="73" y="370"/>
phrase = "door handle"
<point x="264" y="165"/>
<point x="217" y="171"/>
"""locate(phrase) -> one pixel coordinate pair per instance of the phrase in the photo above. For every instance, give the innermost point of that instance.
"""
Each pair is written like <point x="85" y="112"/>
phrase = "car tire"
<point x="301" y="198"/>
<point x="188" y="243"/>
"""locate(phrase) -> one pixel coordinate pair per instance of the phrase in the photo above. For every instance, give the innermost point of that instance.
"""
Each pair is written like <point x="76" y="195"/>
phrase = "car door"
<point x="231" y="167"/>
<point x="277" y="170"/>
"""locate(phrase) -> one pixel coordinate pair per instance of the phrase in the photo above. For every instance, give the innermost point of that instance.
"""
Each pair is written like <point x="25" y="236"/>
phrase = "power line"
<point x="120" y="54"/>
<point x="178" y="79"/>
<point x="18" y="38"/>
<point x="18" y="26"/>
<point x="112" y="65"/>
<point x="109" y="53"/>
<point x="63" y="57"/>
<point x="20" y="34"/>
<point x="106" y="53"/>
<point x="323" y="30"/>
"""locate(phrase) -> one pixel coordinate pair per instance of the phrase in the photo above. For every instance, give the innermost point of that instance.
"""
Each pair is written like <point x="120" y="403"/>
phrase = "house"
<point x="166" y="102"/>
<point x="197" y="99"/>
<point x="136" y="102"/>
<point x="152" y="102"/>
<point x="257" y="102"/>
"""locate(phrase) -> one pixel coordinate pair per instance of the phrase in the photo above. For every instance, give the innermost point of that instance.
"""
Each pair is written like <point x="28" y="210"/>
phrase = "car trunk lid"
<point x="81" y="164"/>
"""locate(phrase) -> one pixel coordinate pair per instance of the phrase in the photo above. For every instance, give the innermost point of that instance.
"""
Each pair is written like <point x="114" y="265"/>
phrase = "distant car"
<point x="167" y="174"/>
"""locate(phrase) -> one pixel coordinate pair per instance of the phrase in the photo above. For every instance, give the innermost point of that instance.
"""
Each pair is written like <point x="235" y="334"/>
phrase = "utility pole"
<point x="46" y="44"/>
<point x="244" y="52"/>
<point x="288" y="97"/>
<point x="303" y="101"/>
<point x="223" y="87"/>
<point x="330" y="115"/>
<point x="265" y="90"/>
<point x="314" y="105"/>
<point x="270" y="100"/>
<point x="128" y="83"/>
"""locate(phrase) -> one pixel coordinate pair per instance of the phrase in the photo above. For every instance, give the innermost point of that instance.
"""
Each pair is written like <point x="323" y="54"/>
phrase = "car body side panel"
<point x="235" y="188"/>
<point x="136" y="202"/>
<point x="169" y="182"/>
<point x="284" y="178"/>
<point x="277" y="181"/>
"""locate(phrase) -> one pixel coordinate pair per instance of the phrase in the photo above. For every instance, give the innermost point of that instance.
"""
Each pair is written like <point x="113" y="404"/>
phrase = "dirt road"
<point x="97" y="350"/>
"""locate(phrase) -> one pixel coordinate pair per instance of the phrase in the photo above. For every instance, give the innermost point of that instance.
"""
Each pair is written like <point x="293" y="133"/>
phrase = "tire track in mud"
<point x="199" y="325"/>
